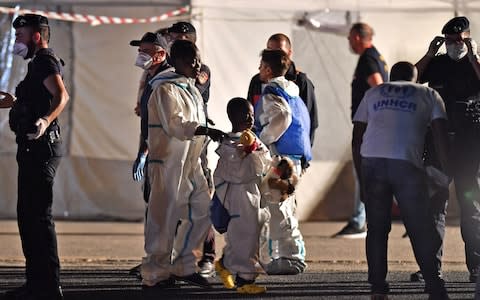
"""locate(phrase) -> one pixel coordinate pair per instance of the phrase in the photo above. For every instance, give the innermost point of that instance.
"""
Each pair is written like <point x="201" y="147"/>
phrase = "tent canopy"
<point x="94" y="179"/>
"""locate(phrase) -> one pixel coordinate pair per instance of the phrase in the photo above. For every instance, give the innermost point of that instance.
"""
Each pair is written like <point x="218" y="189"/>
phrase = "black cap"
<point x="456" y="25"/>
<point x="182" y="27"/>
<point x="30" y="20"/>
<point x="152" y="38"/>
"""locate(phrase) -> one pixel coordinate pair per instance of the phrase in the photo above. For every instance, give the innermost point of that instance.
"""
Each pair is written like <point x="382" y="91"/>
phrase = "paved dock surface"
<point x="96" y="257"/>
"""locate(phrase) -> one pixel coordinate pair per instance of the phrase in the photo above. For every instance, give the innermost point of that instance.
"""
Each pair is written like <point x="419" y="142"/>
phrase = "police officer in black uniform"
<point x="456" y="76"/>
<point x="41" y="97"/>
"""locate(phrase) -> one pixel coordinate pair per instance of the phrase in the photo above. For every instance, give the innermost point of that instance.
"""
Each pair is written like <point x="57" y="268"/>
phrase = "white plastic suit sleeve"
<point x="276" y="118"/>
<point x="171" y="113"/>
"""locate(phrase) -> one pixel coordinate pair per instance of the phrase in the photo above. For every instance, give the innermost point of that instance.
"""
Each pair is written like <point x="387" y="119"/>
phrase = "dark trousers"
<point x="146" y="185"/>
<point x="465" y="161"/>
<point x="437" y="207"/>
<point x="209" y="243"/>
<point x="382" y="179"/>
<point x="438" y="203"/>
<point x="37" y="165"/>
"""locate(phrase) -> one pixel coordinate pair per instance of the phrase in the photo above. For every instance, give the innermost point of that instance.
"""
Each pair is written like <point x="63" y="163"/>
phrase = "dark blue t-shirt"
<point x="370" y="62"/>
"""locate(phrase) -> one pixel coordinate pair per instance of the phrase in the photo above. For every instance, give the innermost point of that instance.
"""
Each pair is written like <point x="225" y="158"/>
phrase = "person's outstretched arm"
<point x="7" y="101"/>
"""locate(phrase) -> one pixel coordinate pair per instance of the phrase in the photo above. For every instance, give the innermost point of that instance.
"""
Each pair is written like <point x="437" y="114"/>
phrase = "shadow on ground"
<point x="106" y="284"/>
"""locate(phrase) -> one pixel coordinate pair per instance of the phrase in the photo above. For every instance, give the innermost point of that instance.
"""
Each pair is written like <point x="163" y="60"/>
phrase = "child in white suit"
<point x="243" y="161"/>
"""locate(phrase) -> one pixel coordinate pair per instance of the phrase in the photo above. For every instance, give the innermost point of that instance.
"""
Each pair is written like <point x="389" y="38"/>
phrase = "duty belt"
<point x="50" y="136"/>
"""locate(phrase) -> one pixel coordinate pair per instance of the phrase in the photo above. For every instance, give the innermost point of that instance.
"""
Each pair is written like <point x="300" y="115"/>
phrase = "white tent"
<point x="94" y="180"/>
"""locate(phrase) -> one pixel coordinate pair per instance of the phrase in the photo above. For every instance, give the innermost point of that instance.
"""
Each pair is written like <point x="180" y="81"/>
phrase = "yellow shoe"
<point x="225" y="275"/>
<point x="251" y="289"/>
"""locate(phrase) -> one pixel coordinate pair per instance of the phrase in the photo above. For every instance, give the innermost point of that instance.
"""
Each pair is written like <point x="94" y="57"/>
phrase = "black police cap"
<point x="182" y="27"/>
<point x="152" y="38"/>
<point x="30" y="20"/>
<point x="456" y="25"/>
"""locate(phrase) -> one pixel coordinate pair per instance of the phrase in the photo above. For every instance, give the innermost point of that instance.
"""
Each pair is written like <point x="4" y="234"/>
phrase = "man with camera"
<point x="456" y="76"/>
<point x="41" y="97"/>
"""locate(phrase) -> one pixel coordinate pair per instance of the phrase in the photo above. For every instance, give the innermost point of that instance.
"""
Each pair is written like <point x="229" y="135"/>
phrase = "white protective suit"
<point x="237" y="178"/>
<point x="282" y="250"/>
<point x="275" y="114"/>
<point x="280" y="236"/>
<point x="177" y="218"/>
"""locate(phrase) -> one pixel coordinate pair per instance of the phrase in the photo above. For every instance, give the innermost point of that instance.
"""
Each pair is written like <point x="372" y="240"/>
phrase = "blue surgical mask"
<point x="20" y="49"/>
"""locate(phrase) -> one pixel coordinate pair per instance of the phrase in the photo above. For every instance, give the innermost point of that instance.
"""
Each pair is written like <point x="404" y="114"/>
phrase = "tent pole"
<point x="455" y="8"/>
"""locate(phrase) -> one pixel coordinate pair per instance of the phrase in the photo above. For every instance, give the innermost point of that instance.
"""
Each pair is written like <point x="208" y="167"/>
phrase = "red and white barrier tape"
<point x="96" y="20"/>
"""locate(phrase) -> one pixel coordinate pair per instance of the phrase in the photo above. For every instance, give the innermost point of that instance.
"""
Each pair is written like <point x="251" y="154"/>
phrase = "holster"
<point x="47" y="146"/>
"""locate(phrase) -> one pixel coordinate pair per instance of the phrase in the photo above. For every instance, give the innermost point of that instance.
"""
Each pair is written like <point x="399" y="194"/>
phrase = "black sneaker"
<point x="16" y="293"/>
<point x="416" y="277"/>
<point x="442" y="295"/>
<point x="351" y="231"/>
<point x="24" y="293"/>
<point x="194" y="279"/>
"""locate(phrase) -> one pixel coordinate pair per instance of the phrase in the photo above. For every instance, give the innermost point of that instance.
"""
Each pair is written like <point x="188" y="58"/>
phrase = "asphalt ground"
<point x="96" y="258"/>
<point x="104" y="283"/>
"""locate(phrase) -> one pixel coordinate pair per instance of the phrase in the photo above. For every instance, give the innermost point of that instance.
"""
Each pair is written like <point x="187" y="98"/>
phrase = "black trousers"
<point x="465" y="162"/>
<point x="209" y="246"/>
<point x="37" y="165"/>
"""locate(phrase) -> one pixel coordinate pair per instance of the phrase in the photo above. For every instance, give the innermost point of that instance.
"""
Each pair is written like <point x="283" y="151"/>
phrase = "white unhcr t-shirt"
<point x="397" y="116"/>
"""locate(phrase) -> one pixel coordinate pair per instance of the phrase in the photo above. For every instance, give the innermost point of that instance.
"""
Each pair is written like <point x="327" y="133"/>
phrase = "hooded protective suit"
<point x="177" y="217"/>
<point x="237" y="178"/>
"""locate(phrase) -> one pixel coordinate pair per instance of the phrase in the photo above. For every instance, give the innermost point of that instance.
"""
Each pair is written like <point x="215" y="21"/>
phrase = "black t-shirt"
<point x="370" y="62"/>
<point x="454" y="80"/>
<point x="46" y="65"/>
<point x="31" y="89"/>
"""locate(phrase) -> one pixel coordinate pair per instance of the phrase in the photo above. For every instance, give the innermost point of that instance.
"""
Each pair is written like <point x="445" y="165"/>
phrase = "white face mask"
<point x="144" y="61"/>
<point x="456" y="51"/>
<point x="20" y="49"/>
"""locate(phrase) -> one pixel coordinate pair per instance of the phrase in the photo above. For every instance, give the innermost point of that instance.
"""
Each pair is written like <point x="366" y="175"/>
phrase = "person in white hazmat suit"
<point x="177" y="218"/>
<point x="243" y="161"/>
<point x="282" y="250"/>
